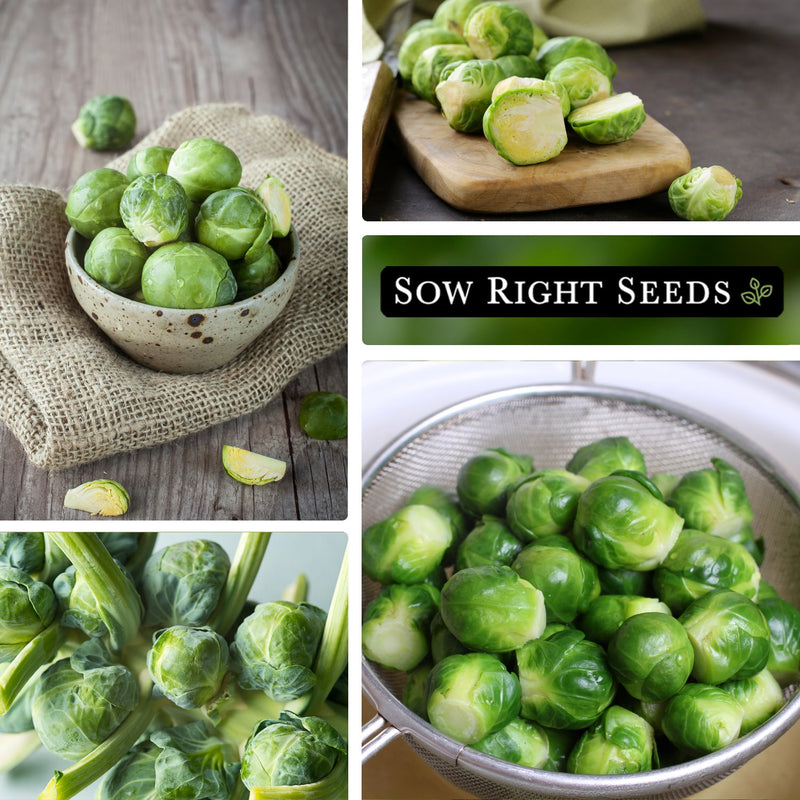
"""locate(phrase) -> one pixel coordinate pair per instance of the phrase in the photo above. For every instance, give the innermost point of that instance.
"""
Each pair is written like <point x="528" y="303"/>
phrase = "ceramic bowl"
<point x="176" y="339"/>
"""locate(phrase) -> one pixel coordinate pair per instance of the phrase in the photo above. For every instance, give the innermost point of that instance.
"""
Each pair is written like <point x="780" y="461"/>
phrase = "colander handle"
<point x="375" y="735"/>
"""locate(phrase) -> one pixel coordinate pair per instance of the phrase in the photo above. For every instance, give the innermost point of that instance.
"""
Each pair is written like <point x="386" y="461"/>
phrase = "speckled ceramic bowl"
<point x="174" y="339"/>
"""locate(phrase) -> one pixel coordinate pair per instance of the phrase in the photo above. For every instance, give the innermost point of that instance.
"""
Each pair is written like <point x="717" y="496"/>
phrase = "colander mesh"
<point x="550" y="425"/>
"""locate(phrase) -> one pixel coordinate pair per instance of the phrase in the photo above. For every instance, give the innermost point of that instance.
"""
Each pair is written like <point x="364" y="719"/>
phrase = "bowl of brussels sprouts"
<point x="579" y="591"/>
<point x="180" y="266"/>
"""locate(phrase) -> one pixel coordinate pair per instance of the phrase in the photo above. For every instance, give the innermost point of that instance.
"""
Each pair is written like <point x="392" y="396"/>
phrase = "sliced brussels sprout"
<point x="230" y="221"/>
<point x="521" y="742"/>
<point x="614" y="119"/>
<point x="600" y="458"/>
<point x="27" y="607"/>
<point x="428" y="68"/>
<point x="584" y="81"/>
<point x="418" y="40"/>
<point x="760" y="697"/>
<point x="187" y="275"/>
<point x="702" y="718"/>
<point x="497" y="29"/>
<point x="705" y="193"/>
<point x="452" y="14"/>
<point x="254" y="276"/>
<point x="484" y="481"/>
<point x="520" y="66"/>
<point x="150" y="160"/>
<point x="396" y="625"/>
<point x="489" y="542"/>
<point x="115" y="259"/>
<point x="492" y="609"/>
<point x="466" y="93"/>
<point x="515" y="82"/>
<point x="619" y="742"/>
<point x="272" y="193"/>
<point x="101" y="497"/>
<point x="471" y="696"/>
<point x="107" y="122"/>
<point x="729" y="634"/>
<point x="204" y="166"/>
<point x="545" y="503"/>
<point x="154" y="209"/>
<point x="608" y="611"/>
<point x="559" y="48"/>
<point x="526" y="125"/>
<point x="323" y="415"/>
<point x="251" y="468"/>
<point x="93" y="202"/>
<point x="783" y="620"/>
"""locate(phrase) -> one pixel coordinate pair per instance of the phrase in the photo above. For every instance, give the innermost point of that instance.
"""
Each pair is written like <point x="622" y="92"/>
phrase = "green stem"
<point x="244" y="568"/>
<point x="333" y="785"/>
<point x="41" y="649"/>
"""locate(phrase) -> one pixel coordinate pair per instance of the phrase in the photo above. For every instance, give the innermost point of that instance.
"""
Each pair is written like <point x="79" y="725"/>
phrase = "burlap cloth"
<point x="71" y="397"/>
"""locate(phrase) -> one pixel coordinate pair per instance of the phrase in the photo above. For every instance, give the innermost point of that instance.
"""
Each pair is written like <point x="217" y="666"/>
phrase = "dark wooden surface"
<point x="726" y="94"/>
<point x="280" y="57"/>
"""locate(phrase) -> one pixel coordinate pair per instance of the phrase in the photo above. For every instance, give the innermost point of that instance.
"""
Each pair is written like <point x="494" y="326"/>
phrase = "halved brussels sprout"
<point x="614" y="119"/>
<point x="600" y="458"/>
<point x="115" y="259"/>
<point x="619" y="742"/>
<point x="396" y="625"/>
<point x="466" y="93"/>
<point x="520" y="66"/>
<point x="526" y="126"/>
<point x="489" y="542"/>
<point x="729" y="634"/>
<point x="484" y="481"/>
<point x="471" y="696"/>
<point x="783" y="620"/>
<point x="93" y="202"/>
<point x="702" y="718"/>
<point x="545" y="503"/>
<point x="559" y="48"/>
<point x="102" y="497"/>
<point x="204" y="166"/>
<point x="497" y="29"/>
<point x="27" y="607"/>
<point x="418" y="40"/>
<point x="150" y="160"/>
<point x="565" y="680"/>
<point x="608" y="611"/>
<point x="187" y="275"/>
<point x="705" y="193"/>
<point x="272" y="193"/>
<point x="515" y="82"/>
<point x="492" y="609"/>
<point x="760" y="697"/>
<point x="428" y="68"/>
<point x="452" y="14"/>
<point x="107" y="122"/>
<point x="251" y="468"/>
<point x="584" y="81"/>
<point x="323" y="415"/>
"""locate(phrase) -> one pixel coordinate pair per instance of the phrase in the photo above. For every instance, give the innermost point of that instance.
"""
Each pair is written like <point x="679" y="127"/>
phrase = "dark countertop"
<point x="729" y="94"/>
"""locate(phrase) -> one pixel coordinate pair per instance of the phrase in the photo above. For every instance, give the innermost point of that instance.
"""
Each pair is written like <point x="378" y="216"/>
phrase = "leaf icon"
<point x="766" y="291"/>
<point x="750" y="298"/>
<point x="754" y="284"/>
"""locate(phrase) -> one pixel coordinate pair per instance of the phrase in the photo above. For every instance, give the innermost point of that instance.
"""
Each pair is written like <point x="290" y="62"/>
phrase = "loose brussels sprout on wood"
<point x="148" y="161"/>
<point x="520" y="66"/>
<point x="323" y="415"/>
<point x="760" y="697"/>
<point x="702" y="718"/>
<point x="584" y="81"/>
<point x="154" y="209"/>
<point x="93" y="202"/>
<point x="489" y="542"/>
<point x="705" y="193"/>
<point x="484" y="481"/>
<point x="545" y="503"/>
<point x="496" y="29"/>
<point x="418" y="40"/>
<point x="515" y="82"/>
<point x="107" y="122"/>
<point x="428" y="68"/>
<point x="204" y="166"/>
<point x="101" y="497"/>
<point x="467" y="92"/>
<point x="115" y="259"/>
<point x="559" y="48"/>
<point x="614" y="119"/>
<point x="608" y="611"/>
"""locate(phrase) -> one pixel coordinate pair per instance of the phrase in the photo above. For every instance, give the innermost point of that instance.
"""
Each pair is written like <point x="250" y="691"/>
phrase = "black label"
<point x="582" y="291"/>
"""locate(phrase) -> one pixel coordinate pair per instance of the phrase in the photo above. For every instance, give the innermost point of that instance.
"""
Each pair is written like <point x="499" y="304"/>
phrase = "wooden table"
<point x="280" y="57"/>
<point x="706" y="89"/>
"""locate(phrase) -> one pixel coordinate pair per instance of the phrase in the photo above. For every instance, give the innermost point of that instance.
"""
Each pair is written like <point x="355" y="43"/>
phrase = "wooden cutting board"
<point x="377" y="91"/>
<point x="466" y="171"/>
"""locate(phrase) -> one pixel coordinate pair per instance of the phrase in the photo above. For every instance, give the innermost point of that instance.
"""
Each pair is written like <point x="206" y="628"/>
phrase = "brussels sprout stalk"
<point x="41" y="649"/>
<point x="297" y="590"/>
<point x="331" y="787"/>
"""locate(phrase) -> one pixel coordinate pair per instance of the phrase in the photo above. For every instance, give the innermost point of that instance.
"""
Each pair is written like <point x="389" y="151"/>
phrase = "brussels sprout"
<point x="204" y="166"/>
<point x="274" y="648"/>
<point x="702" y="718"/>
<point x="429" y="65"/>
<point x="700" y="562"/>
<point x="492" y="608"/>
<point x="471" y="696"/>
<point x="497" y="29"/>
<point x="107" y="122"/>
<point x="452" y="14"/>
<point x="705" y="193"/>
<point x="567" y="580"/>
<point x="93" y="202"/>
<point x="273" y="195"/>
<point x="760" y="697"/>
<point x="545" y="503"/>
<point x="415" y="691"/>
<point x="584" y="81"/>
<point x="466" y="93"/>
<point x="447" y="505"/>
<point x="188" y="664"/>
<point x="521" y="742"/>
<point x="101" y="497"/>
<point x="514" y="82"/>
<point x="526" y="125"/>
<point x="443" y="642"/>
<point x="607" y="612"/>
<point x="729" y="634"/>
<point x="565" y="680"/>
<point x="622" y="523"/>
<point x="489" y="542"/>
<point x="619" y="742"/>
<point x="154" y="209"/>
<point x="290" y="751"/>
<point x="115" y="259"/>
<point x="651" y="656"/>
<point x="251" y="468"/>
<point x="194" y="762"/>
<point x="520" y="66"/>
<point x="27" y="607"/>
<point x="560" y="48"/>
<point x="82" y="609"/>
<point x="79" y="701"/>
<point x="23" y="550"/>
<point x="396" y="626"/>
<point x="187" y="275"/>
<point x="418" y="40"/>
<point x="625" y="581"/>
<point x="323" y="415"/>
<point x="134" y="776"/>
<point x="148" y="161"/>
<point x="182" y="583"/>
<point x="230" y="220"/>
<point x="652" y="712"/>
<point x="255" y="276"/>
<point x="484" y="481"/>
<point x="406" y="546"/>
<point x="600" y="458"/>
<point x="614" y="119"/>
<point x="783" y="620"/>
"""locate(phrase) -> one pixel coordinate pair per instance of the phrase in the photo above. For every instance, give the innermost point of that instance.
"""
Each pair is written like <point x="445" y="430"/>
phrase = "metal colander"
<point x="550" y="423"/>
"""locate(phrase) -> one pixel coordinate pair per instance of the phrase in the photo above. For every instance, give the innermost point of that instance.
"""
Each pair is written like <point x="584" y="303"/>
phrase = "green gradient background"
<point x="733" y="251"/>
